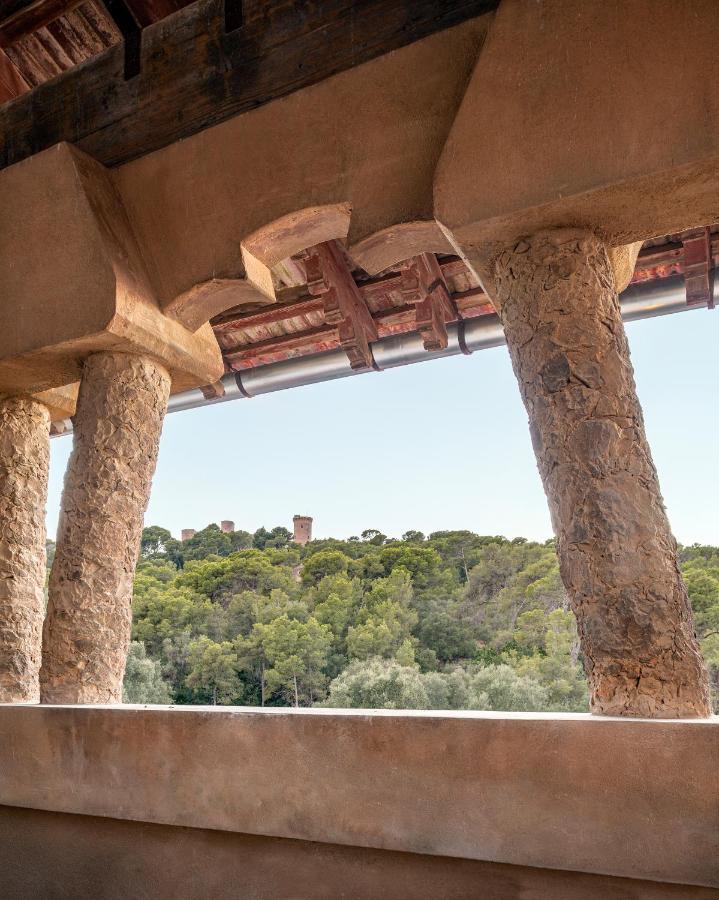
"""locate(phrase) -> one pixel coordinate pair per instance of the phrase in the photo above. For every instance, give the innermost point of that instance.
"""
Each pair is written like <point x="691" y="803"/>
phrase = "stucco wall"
<point x="632" y="798"/>
<point x="66" y="857"/>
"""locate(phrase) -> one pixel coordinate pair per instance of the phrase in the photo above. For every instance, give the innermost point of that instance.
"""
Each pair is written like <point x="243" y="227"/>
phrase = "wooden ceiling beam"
<point x="465" y="304"/>
<point x="147" y="12"/>
<point x="660" y="253"/>
<point x="385" y="320"/>
<point x="281" y="344"/>
<point x="277" y="312"/>
<point x="24" y="18"/>
<point x="693" y="255"/>
<point x="303" y="303"/>
<point x="450" y="266"/>
<point x="123" y="15"/>
<point x="195" y="73"/>
<point x="12" y="84"/>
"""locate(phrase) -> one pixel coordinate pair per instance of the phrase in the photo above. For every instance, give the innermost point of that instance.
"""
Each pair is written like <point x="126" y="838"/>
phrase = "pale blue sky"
<point x="438" y="445"/>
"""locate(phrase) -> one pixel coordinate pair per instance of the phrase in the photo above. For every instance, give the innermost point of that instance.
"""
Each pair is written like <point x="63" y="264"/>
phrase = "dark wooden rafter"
<point x="233" y="15"/>
<point x="131" y="17"/>
<point x="424" y="282"/>
<point x="128" y="24"/>
<point x="329" y="277"/>
<point x="698" y="265"/>
<point x="196" y="73"/>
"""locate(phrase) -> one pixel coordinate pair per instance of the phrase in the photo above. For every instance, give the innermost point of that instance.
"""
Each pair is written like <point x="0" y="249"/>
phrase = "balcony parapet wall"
<point x="633" y="798"/>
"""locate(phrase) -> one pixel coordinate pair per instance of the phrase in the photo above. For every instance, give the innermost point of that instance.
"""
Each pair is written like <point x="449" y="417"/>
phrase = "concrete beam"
<point x="92" y="255"/>
<point x="366" y="140"/>
<point x="601" y="114"/>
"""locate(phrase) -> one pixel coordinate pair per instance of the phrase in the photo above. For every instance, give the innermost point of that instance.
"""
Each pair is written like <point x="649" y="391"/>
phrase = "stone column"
<point x="559" y="307"/>
<point x="24" y="461"/>
<point x="120" y="409"/>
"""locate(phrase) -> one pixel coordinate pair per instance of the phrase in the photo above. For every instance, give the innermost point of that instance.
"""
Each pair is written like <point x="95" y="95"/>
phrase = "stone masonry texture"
<point x="617" y="556"/>
<point x="24" y="460"/>
<point x="120" y="410"/>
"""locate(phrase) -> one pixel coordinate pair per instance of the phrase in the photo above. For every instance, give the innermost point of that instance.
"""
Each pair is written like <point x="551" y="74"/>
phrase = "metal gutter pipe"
<point x="642" y="301"/>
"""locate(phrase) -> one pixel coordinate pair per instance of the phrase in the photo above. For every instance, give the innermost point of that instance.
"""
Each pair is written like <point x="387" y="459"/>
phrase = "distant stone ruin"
<point x="303" y="529"/>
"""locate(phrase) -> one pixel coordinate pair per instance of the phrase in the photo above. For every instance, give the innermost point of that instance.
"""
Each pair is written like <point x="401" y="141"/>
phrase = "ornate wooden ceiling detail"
<point x="423" y="295"/>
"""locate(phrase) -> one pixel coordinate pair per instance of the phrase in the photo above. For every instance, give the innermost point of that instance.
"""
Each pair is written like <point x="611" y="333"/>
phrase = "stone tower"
<point x="187" y="533"/>
<point x="303" y="529"/>
<point x="227" y="526"/>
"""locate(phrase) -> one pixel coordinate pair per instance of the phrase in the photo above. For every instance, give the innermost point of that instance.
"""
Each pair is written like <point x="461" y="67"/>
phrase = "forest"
<point x="452" y="620"/>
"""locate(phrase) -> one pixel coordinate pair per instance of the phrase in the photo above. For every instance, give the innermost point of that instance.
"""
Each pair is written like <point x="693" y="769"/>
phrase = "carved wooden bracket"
<point x="329" y="277"/>
<point x="213" y="391"/>
<point x="698" y="267"/>
<point x="423" y="281"/>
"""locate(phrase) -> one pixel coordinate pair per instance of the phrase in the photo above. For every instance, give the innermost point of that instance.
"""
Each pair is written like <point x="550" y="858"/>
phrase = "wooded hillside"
<point x="450" y="621"/>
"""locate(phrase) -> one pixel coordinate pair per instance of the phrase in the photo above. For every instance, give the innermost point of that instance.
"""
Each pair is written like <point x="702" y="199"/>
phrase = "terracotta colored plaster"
<point x="574" y="792"/>
<point x="393" y="245"/>
<point x="597" y="114"/>
<point x="70" y="262"/>
<point x="68" y="856"/>
<point x="276" y="241"/>
<point x="369" y="137"/>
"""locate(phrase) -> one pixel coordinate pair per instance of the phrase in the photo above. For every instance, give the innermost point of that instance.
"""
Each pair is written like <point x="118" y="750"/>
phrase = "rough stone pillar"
<point x="560" y="312"/>
<point x="24" y="461"/>
<point x="120" y="409"/>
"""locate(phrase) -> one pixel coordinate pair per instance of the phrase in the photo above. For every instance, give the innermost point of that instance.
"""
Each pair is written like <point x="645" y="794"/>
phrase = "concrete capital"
<point x="596" y="114"/>
<point x="72" y="264"/>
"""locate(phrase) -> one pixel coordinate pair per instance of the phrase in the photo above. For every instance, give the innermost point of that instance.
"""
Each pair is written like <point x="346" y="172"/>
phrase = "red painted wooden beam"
<point x="281" y="344"/>
<point x="698" y="267"/>
<point x="329" y="277"/>
<point x="276" y="312"/>
<point x="423" y="281"/>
